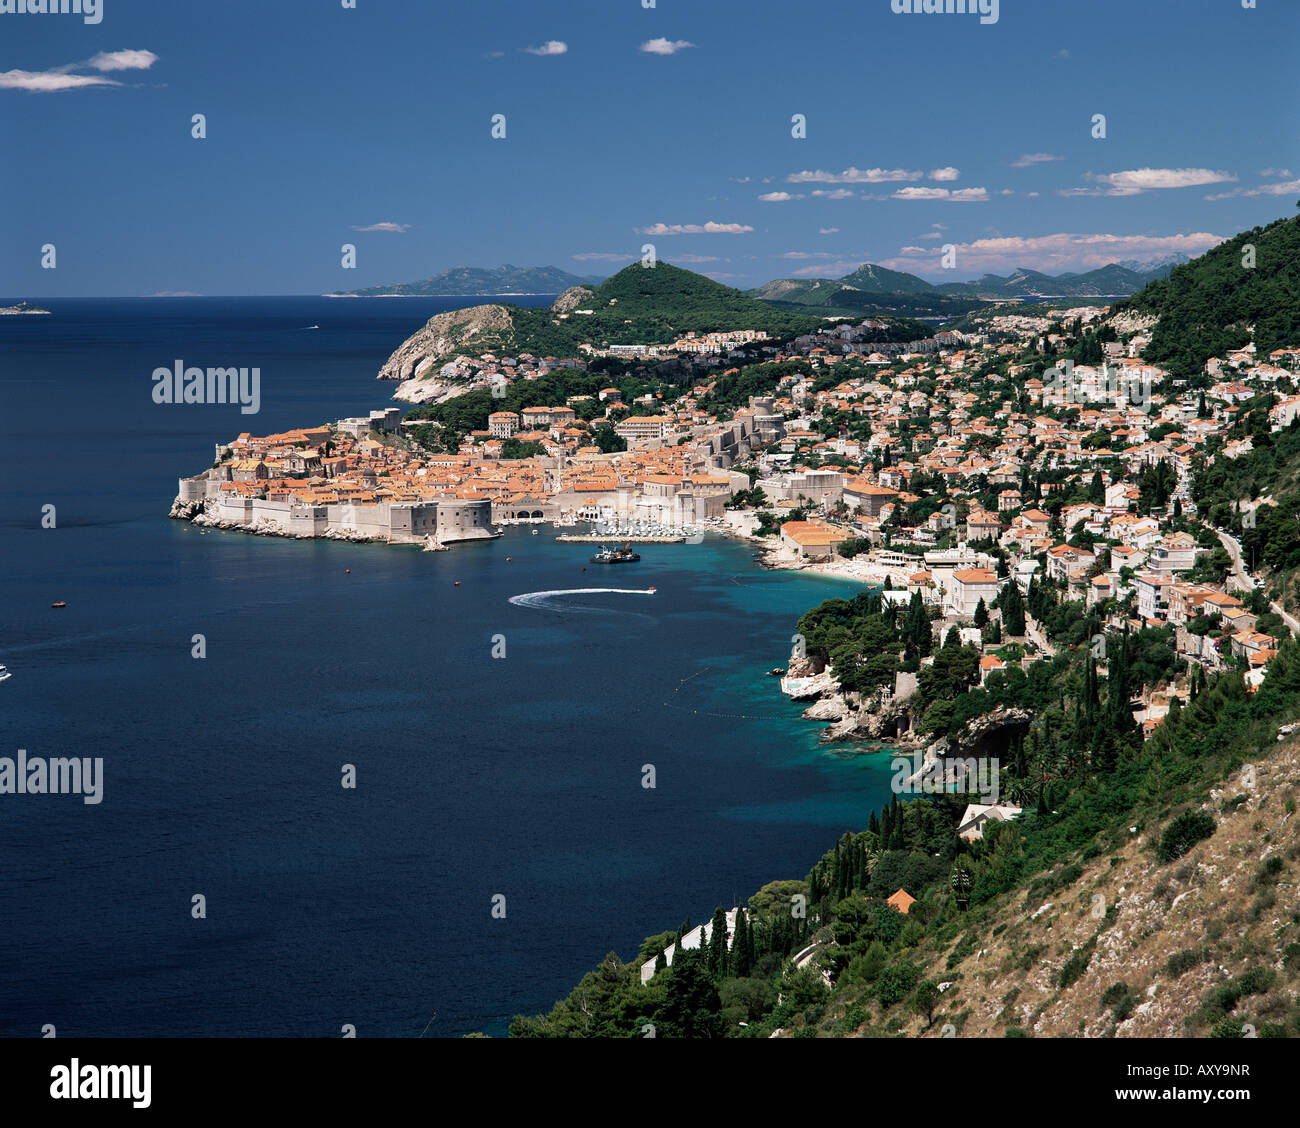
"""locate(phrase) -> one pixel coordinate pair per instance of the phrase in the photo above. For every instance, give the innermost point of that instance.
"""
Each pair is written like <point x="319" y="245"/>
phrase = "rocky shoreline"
<point x="851" y="718"/>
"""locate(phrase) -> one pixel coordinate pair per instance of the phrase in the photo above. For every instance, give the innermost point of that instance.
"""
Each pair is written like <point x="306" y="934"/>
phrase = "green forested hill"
<point x="876" y="279"/>
<point x="652" y="306"/>
<point x="1206" y="306"/>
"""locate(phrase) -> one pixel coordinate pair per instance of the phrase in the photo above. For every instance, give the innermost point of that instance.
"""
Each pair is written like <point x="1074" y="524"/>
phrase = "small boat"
<point x="623" y="555"/>
<point x="61" y="603"/>
<point x="5" y="675"/>
<point x="534" y="532"/>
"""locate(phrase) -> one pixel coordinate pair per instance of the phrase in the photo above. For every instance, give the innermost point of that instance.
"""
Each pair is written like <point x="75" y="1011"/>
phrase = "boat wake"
<point x="553" y="600"/>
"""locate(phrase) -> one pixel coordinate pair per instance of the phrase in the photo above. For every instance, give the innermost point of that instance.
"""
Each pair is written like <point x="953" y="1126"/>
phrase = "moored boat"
<point x="623" y="555"/>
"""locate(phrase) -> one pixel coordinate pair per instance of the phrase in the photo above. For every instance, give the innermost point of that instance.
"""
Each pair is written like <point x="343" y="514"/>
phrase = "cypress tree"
<point x="742" y="958"/>
<point x="717" y="957"/>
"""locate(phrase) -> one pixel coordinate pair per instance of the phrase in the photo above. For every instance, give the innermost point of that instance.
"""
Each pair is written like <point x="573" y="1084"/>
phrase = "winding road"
<point x="1244" y="578"/>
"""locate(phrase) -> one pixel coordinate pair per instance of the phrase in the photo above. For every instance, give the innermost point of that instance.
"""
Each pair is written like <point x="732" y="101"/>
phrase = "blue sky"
<point x="322" y="120"/>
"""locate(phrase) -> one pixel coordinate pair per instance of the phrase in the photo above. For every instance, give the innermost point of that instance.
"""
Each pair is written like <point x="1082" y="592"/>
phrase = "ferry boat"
<point x="623" y="555"/>
<point x="5" y="675"/>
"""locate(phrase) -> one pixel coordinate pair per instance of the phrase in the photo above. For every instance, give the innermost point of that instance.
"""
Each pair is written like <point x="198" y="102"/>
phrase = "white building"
<point x="701" y="933"/>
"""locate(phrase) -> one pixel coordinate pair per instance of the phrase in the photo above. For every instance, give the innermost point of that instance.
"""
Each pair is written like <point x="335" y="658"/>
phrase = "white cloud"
<point x="779" y="197"/>
<point x="63" y="78"/>
<point x="698" y="258"/>
<point x="1285" y="173"/>
<point x="1056" y="253"/>
<point x="828" y="231"/>
<point x="806" y="255"/>
<point x="604" y="256"/>
<point x="949" y="195"/>
<point x="948" y="173"/>
<point x="400" y="228"/>
<point x="550" y="47"/>
<point x="1031" y="159"/>
<point x="123" y="60"/>
<point x="853" y="176"/>
<point x="1133" y="181"/>
<point x="709" y="228"/>
<point x="46" y="82"/>
<point x="1072" y="192"/>
<point x="663" y="46"/>
<point x="833" y="193"/>
<point x="1281" y="188"/>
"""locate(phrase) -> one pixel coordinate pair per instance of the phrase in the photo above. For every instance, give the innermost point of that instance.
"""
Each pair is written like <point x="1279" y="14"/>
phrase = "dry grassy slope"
<point x="1209" y="898"/>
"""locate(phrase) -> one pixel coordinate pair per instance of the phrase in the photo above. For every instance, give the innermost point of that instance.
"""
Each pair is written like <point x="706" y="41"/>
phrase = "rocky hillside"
<point x="1116" y="942"/>
<point x="442" y="337"/>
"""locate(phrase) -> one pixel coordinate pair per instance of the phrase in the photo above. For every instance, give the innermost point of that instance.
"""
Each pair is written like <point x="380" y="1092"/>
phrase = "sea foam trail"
<point x="542" y="600"/>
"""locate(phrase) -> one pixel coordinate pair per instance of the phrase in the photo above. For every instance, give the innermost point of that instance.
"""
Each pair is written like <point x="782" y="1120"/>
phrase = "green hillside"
<point x="652" y="306"/>
<point x="877" y="280"/>
<point x="1206" y="307"/>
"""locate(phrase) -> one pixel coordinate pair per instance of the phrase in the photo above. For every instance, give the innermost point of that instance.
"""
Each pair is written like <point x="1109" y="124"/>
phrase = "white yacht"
<point x="5" y="675"/>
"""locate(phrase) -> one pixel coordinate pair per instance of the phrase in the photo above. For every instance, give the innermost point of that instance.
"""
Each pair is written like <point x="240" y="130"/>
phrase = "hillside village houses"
<point x="855" y="438"/>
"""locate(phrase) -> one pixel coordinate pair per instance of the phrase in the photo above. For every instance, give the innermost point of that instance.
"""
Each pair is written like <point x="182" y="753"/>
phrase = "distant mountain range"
<point x="475" y="281"/>
<point x="852" y="290"/>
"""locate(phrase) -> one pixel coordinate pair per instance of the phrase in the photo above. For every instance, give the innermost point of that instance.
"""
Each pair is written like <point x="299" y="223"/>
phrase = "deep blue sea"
<point x="476" y="776"/>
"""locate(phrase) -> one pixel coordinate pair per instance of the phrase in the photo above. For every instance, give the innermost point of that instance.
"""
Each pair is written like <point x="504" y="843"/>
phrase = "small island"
<point x="21" y="308"/>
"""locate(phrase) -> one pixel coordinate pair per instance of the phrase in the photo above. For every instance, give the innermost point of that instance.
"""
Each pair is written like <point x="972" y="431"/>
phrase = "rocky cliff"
<point x="444" y="336"/>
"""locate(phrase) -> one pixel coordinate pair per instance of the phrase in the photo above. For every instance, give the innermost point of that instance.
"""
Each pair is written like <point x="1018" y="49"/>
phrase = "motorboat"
<point x="623" y="555"/>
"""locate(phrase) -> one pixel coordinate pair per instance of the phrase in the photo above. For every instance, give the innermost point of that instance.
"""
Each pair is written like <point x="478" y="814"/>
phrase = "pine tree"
<point x="981" y="614"/>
